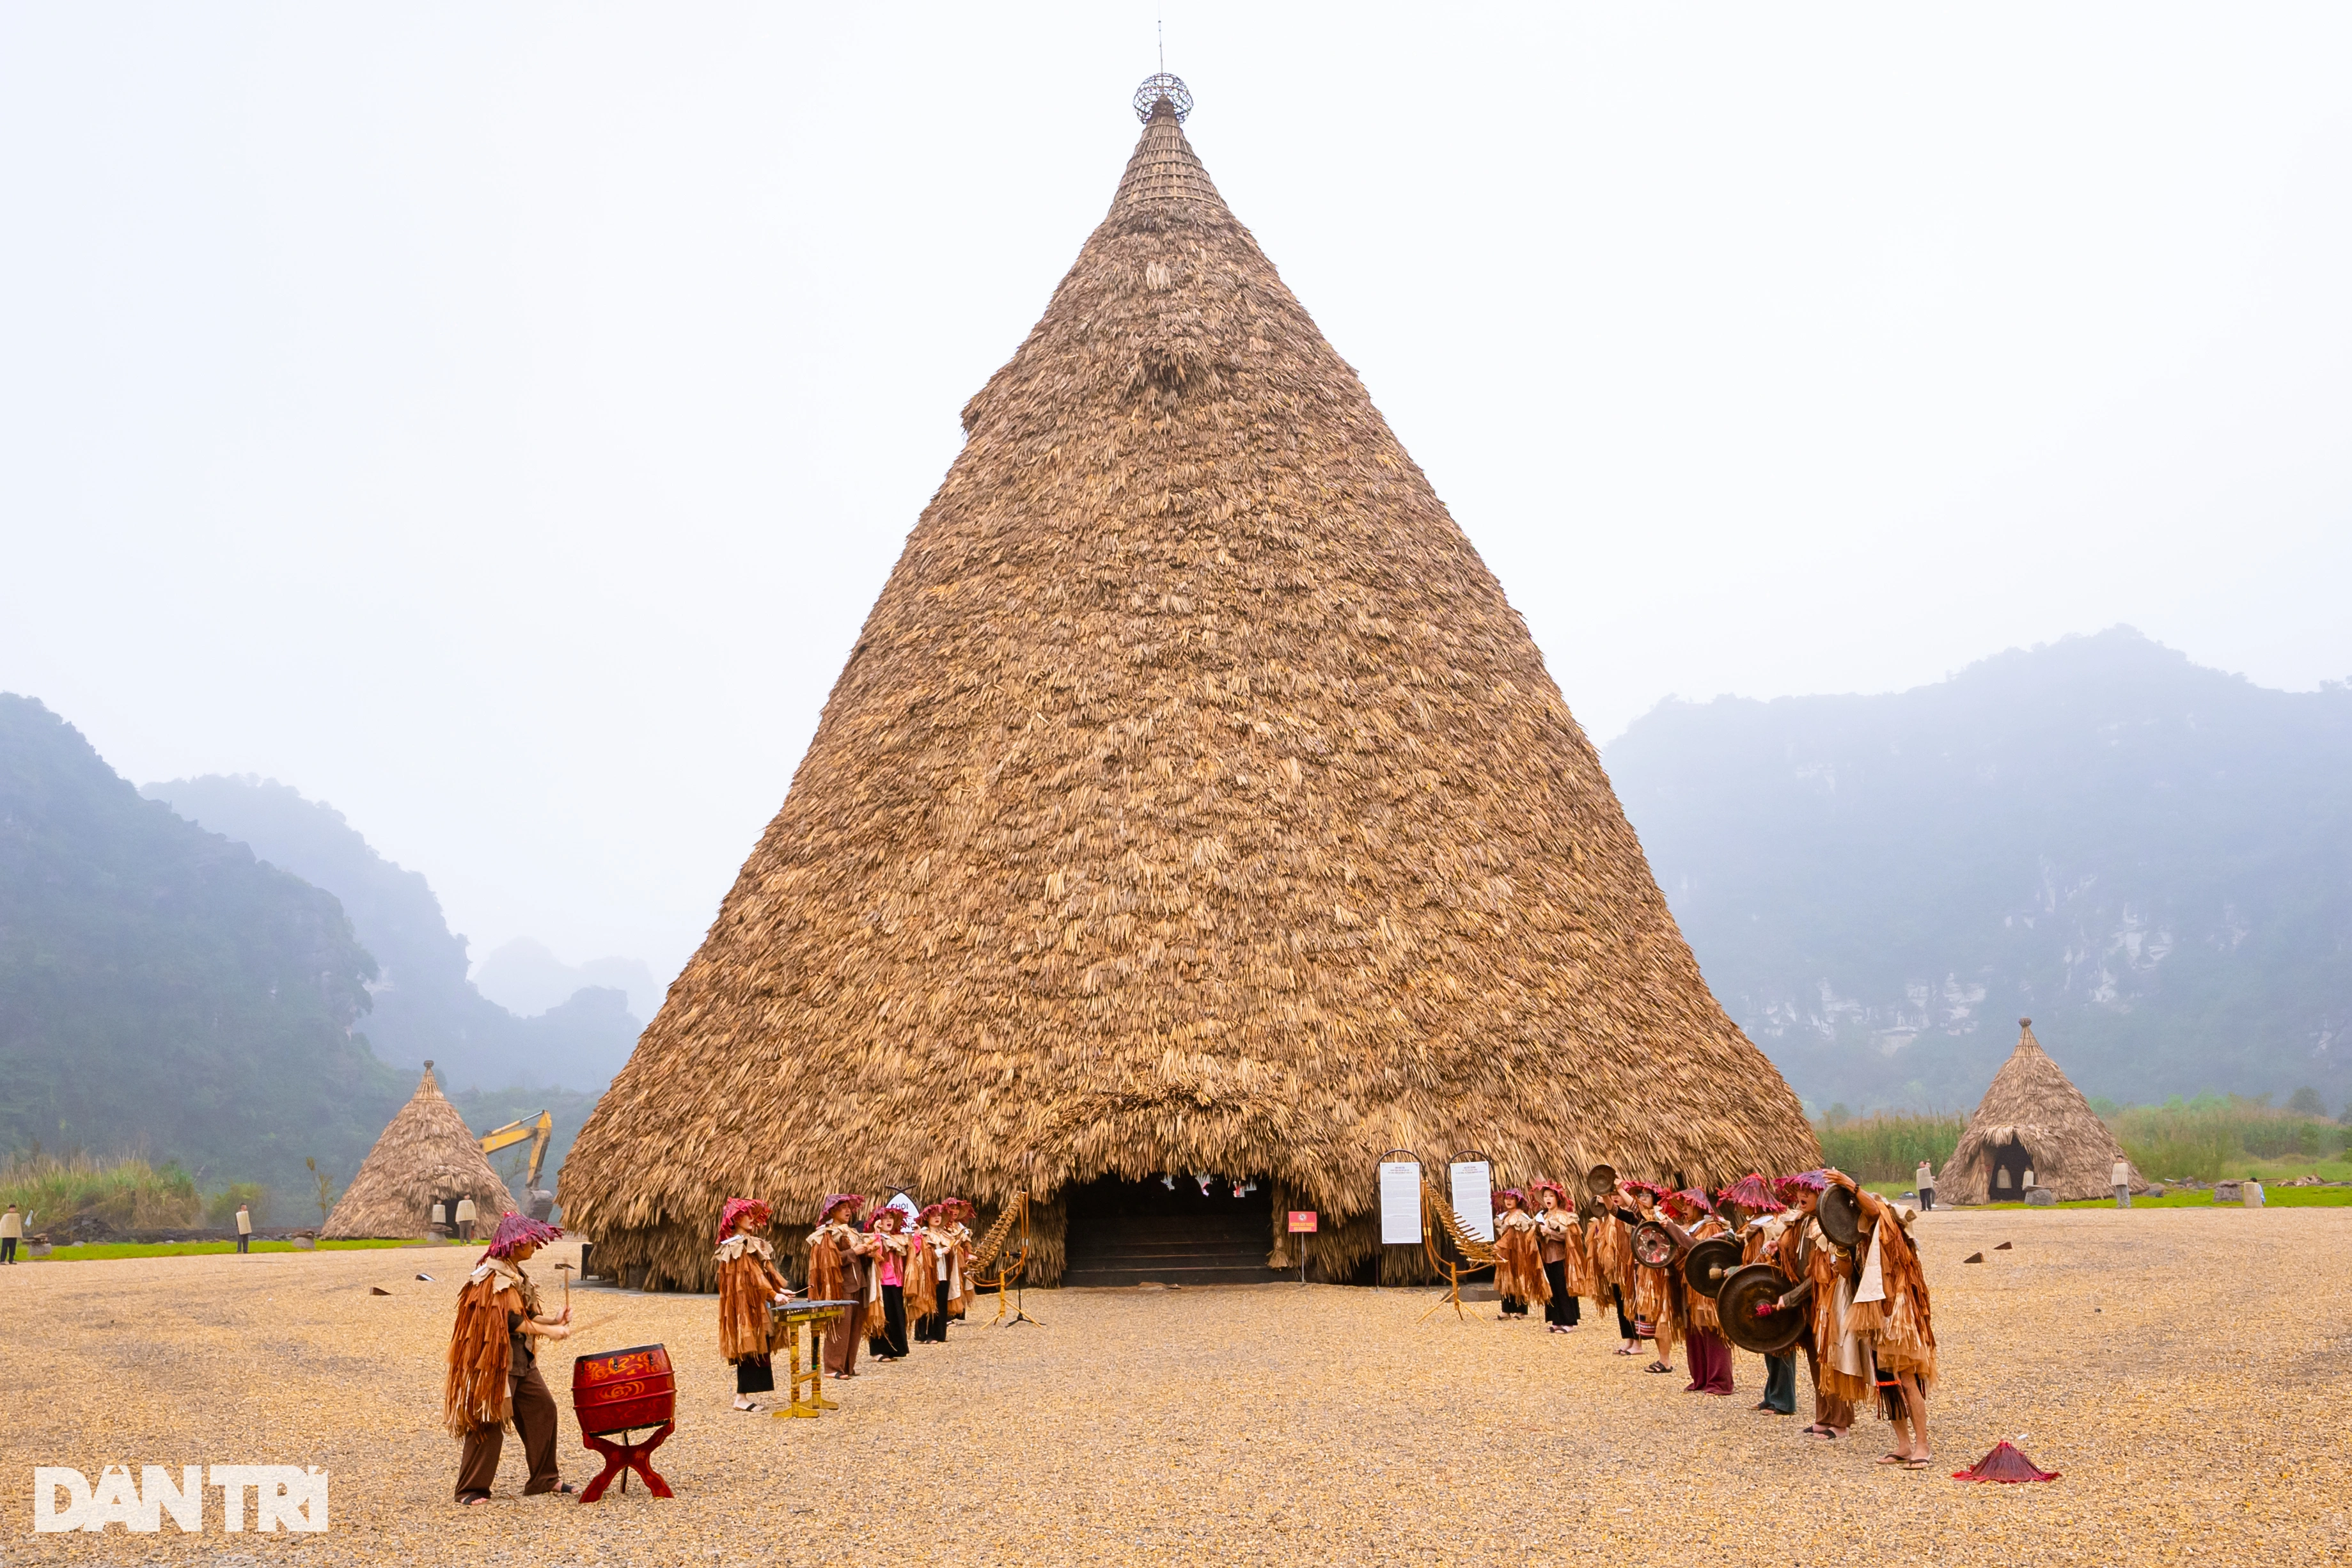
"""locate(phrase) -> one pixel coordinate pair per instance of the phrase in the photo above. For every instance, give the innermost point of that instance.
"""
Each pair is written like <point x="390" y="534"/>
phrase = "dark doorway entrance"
<point x="2010" y="1161"/>
<point x="1131" y="1233"/>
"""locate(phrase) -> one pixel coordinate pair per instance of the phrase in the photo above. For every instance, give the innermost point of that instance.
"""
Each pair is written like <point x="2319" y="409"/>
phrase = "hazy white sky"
<point x="496" y="420"/>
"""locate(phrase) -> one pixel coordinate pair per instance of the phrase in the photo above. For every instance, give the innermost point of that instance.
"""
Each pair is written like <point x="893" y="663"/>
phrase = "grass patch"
<point x="97" y="1251"/>
<point x="2272" y="1197"/>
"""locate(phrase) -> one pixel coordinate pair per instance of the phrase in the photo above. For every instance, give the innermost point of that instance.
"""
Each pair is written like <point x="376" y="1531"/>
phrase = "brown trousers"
<point x="1827" y="1411"/>
<point x="534" y="1419"/>
<point x="842" y="1340"/>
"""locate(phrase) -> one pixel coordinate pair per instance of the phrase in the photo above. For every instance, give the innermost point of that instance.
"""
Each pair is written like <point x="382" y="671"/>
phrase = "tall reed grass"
<point x="2199" y="1139"/>
<point x="128" y="1193"/>
<point x="1887" y="1145"/>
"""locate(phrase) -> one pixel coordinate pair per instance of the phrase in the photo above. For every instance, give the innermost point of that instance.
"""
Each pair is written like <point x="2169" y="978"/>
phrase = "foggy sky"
<point x="496" y="420"/>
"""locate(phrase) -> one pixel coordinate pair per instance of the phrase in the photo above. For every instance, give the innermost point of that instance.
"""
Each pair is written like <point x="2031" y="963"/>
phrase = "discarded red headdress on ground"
<point x="2004" y="1464"/>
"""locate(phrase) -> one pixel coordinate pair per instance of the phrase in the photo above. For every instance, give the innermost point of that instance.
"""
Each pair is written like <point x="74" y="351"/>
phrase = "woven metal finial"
<point x="1160" y="85"/>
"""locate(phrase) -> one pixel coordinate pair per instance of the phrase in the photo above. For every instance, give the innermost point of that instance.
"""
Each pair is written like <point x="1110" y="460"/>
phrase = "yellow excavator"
<point x="537" y="1201"/>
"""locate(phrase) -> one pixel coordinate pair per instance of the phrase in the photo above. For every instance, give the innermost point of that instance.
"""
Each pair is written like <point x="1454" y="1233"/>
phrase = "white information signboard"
<point x="1400" y="1203"/>
<point x="1474" y="1197"/>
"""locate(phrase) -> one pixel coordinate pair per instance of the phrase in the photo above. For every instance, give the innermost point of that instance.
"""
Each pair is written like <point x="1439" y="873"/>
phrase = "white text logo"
<point x="284" y="1497"/>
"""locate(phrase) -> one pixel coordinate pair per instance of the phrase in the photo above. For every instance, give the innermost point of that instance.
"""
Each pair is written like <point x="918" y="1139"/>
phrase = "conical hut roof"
<point x="427" y="1151"/>
<point x="2033" y="1104"/>
<point x="1192" y="800"/>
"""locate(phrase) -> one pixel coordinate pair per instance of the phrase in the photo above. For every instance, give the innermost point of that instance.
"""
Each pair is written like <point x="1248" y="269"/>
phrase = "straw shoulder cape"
<point x="1192" y="800"/>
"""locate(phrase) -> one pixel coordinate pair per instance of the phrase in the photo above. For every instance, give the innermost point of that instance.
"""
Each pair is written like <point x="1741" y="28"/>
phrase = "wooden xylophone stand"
<point x="805" y="1393"/>
<point x="621" y="1458"/>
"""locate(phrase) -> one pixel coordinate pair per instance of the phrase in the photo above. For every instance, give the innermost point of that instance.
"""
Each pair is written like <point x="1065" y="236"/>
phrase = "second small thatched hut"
<point x="2033" y="1120"/>
<point x="427" y="1154"/>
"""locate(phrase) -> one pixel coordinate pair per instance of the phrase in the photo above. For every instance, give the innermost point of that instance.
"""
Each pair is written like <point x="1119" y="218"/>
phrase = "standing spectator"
<point x="2120" y="1174"/>
<point x="12" y="1230"/>
<point x="441" y="1217"/>
<point x="244" y="1228"/>
<point x="1924" y="1181"/>
<point x="465" y="1219"/>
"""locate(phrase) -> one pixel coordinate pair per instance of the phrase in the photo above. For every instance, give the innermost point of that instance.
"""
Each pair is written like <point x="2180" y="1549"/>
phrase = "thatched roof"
<point x="426" y="1153"/>
<point x="1193" y="799"/>
<point x="2032" y="1103"/>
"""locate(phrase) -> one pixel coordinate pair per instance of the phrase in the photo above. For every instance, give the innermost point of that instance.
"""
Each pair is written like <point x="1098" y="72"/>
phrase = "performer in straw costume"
<point x="494" y="1365"/>
<point x="1710" y="1358"/>
<point x="892" y="1252"/>
<point x="1519" y="1255"/>
<point x="1657" y="1312"/>
<point x="1890" y="1317"/>
<point x="1760" y="1242"/>
<point x="941" y="1285"/>
<point x="1612" y="1248"/>
<point x="748" y="1285"/>
<point x="838" y="1251"/>
<point x="1822" y="1271"/>
<point x="1566" y="1269"/>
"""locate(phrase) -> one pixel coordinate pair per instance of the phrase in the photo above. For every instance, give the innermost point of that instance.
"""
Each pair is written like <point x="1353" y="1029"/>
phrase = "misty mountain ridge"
<point x="524" y="977"/>
<point x="2152" y="859"/>
<point x="162" y="989"/>
<point x="425" y="1007"/>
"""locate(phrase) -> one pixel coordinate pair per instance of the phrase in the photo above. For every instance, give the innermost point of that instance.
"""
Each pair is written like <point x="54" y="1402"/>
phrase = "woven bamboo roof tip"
<point x="1193" y="799"/>
<point x="2032" y="1103"/>
<point x="426" y="1153"/>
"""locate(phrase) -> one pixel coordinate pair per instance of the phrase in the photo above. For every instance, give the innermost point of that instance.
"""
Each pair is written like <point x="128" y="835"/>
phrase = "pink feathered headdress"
<point x="739" y="1209"/>
<point x="833" y="1200"/>
<point x="520" y="1230"/>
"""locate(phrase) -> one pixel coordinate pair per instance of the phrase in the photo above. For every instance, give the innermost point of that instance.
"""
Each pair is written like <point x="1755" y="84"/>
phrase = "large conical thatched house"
<point x="1192" y="802"/>
<point x="426" y="1155"/>
<point x="2033" y="1120"/>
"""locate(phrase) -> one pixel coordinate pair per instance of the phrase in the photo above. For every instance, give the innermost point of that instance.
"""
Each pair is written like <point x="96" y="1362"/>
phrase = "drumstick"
<point x="594" y="1323"/>
<point x="565" y="1269"/>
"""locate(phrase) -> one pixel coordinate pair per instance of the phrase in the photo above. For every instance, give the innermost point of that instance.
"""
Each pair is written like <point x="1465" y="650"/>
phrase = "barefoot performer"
<point x="494" y="1365"/>
<point x="836" y="1272"/>
<point x="1890" y="1317"/>
<point x="748" y="1284"/>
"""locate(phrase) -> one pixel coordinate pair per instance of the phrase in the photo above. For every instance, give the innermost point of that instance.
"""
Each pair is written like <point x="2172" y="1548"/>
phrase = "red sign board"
<point x="1302" y="1221"/>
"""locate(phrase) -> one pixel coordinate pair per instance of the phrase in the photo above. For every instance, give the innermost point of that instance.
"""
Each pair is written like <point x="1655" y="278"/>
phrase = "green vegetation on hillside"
<point x="161" y="990"/>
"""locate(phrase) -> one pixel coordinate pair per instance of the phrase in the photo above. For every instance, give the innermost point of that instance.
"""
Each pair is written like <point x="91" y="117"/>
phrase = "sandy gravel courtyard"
<point x="2188" y="1369"/>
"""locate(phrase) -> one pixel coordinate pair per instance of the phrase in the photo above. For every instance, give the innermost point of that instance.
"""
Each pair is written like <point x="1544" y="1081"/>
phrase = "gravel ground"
<point x="2187" y="1370"/>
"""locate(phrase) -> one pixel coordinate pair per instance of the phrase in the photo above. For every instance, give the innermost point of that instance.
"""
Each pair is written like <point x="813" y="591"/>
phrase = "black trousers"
<point x="892" y="1339"/>
<point x="932" y="1326"/>
<point x="1564" y="1307"/>
<point x="755" y="1375"/>
<point x="1624" y="1323"/>
<point x="1515" y="1307"/>
<point x="244" y="1243"/>
<point x="1927" y="1199"/>
<point x="1780" y="1383"/>
<point x="7" y="1249"/>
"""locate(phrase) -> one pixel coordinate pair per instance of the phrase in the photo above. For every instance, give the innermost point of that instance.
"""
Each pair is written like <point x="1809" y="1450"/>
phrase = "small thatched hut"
<point x="1193" y="806"/>
<point x="2032" y="1119"/>
<point x="427" y="1154"/>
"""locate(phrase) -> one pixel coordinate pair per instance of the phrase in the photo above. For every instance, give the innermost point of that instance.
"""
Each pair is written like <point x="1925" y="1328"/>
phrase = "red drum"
<point x="621" y="1389"/>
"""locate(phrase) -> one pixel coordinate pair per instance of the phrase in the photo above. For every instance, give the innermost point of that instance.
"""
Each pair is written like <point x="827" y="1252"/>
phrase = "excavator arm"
<point x="539" y="1130"/>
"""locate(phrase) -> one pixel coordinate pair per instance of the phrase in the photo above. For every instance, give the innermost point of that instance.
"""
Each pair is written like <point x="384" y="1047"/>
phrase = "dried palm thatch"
<point x="2032" y="1103"/>
<point x="426" y="1153"/>
<point x="1193" y="799"/>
